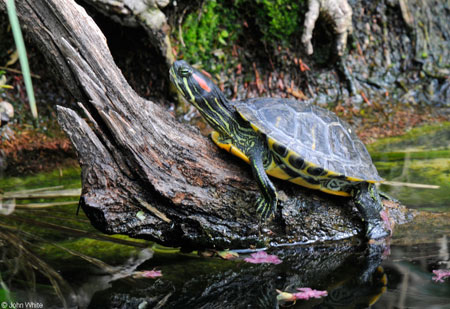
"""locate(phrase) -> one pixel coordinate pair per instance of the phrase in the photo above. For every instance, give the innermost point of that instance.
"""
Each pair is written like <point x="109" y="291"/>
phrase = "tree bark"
<point x="146" y="175"/>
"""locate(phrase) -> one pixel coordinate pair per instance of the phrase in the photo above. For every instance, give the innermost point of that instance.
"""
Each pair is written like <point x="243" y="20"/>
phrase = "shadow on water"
<point x="50" y="256"/>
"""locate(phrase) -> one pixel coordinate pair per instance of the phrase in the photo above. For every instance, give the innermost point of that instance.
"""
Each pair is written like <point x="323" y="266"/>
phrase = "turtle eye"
<point x="184" y="71"/>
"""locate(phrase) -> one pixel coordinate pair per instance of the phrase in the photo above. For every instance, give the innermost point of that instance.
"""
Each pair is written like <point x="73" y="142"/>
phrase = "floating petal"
<point x="441" y="274"/>
<point x="147" y="274"/>
<point x="262" y="257"/>
<point x="307" y="293"/>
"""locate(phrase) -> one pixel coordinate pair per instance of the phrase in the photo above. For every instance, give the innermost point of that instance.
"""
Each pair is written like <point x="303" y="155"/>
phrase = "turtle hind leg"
<point x="368" y="202"/>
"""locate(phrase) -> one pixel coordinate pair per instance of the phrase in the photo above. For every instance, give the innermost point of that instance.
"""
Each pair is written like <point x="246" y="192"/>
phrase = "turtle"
<point x="292" y="140"/>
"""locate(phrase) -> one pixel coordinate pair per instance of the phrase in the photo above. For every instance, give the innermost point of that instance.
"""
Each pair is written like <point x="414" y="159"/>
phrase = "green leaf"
<point x="140" y="215"/>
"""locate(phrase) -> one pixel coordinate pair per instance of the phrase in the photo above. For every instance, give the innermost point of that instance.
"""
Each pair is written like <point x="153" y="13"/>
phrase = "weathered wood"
<point x="136" y="157"/>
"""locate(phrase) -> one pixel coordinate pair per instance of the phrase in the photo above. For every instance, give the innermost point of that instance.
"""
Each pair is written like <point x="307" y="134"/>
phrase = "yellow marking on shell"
<point x="228" y="147"/>
<point x="278" y="172"/>
<point x="340" y="193"/>
<point x="313" y="135"/>
<point x="302" y="182"/>
<point x="330" y="173"/>
<point x="270" y="142"/>
<point x="354" y="179"/>
<point x="308" y="165"/>
<point x="254" y="127"/>
<point x="286" y="158"/>
<point x="277" y="122"/>
<point x="242" y="116"/>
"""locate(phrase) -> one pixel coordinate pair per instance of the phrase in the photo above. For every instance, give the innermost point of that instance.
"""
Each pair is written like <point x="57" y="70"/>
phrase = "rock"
<point x="6" y="112"/>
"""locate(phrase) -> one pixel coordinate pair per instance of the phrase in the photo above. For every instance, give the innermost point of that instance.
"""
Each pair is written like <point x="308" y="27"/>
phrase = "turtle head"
<point x="192" y="84"/>
<point x="201" y="91"/>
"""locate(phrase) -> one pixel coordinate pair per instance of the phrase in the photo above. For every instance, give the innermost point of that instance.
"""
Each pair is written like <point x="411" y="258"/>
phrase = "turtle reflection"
<point x="351" y="274"/>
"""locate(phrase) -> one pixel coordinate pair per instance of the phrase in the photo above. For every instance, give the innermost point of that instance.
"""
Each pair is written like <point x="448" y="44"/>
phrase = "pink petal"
<point x="307" y="293"/>
<point x="441" y="274"/>
<point x="262" y="257"/>
<point x="151" y="273"/>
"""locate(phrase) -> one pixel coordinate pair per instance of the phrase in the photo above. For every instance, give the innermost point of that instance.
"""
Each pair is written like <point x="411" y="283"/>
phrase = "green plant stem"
<point x="18" y="39"/>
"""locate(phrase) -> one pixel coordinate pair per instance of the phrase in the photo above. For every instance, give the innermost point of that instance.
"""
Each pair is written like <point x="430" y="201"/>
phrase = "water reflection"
<point x="422" y="157"/>
<point x="350" y="273"/>
<point x="409" y="270"/>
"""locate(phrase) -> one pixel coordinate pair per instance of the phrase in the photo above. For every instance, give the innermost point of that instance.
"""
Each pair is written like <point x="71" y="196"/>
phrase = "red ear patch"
<point x="201" y="82"/>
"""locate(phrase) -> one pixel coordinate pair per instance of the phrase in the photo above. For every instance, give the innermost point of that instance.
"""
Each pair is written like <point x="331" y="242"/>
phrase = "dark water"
<point x="51" y="257"/>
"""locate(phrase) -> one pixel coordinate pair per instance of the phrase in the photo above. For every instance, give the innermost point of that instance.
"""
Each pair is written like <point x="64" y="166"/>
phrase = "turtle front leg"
<point x="368" y="202"/>
<point x="266" y="204"/>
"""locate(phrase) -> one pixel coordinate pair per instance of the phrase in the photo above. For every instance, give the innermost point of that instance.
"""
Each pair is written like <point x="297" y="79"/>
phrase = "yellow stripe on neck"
<point x="228" y="147"/>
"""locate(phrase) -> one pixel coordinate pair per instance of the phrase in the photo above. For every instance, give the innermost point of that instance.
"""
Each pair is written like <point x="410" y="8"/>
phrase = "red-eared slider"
<point x="291" y="140"/>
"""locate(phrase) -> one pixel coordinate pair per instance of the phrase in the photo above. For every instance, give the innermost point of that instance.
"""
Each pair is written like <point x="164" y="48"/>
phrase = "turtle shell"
<point x="315" y="134"/>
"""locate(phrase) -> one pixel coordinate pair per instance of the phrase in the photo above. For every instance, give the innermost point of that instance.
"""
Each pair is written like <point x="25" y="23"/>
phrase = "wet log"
<point x="146" y="175"/>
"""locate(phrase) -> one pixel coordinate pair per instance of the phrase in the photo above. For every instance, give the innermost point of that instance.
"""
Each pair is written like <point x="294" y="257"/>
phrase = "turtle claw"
<point x="265" y="208"/>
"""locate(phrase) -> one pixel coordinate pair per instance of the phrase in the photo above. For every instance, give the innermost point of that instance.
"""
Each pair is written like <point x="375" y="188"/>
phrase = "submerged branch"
<point x="44" y="205"/>
<point x="409" y="184"/>
<point x="30" y="194"/>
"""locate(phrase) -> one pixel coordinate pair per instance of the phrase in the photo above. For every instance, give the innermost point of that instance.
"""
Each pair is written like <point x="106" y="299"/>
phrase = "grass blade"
<point x="20" y="45"/>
